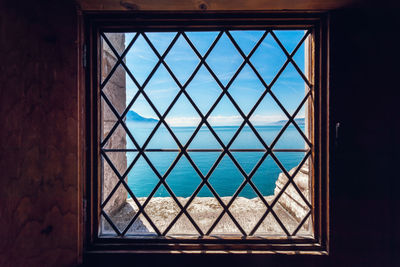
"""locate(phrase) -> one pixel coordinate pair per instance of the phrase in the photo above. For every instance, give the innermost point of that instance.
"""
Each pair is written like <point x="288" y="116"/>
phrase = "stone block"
<point x="290" y="199"/>
<point x="115" y="91"/>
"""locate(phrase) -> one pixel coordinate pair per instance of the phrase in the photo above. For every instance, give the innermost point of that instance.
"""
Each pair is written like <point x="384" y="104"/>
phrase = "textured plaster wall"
<point x="39" y="134"/>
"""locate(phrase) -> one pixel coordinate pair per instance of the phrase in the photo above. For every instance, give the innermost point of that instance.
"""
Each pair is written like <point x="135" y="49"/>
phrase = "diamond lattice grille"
<point x="147" y="66"/>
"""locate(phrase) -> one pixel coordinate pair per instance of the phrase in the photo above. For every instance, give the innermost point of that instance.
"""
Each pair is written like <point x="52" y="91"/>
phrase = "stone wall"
<point x="290" y="199"/>
<point x="116" y="92"/>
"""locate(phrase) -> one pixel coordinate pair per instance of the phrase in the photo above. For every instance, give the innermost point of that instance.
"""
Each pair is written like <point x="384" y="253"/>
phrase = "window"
<point x="207" y="132"/>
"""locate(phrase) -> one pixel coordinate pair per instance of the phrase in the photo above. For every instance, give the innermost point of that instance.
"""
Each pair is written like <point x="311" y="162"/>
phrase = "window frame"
<point x="95" y="22"/>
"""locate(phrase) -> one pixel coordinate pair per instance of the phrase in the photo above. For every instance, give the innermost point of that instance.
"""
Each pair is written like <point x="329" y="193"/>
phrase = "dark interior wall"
<point x="39" y="154"/>
<point x="38" y="136"/>
<point x="364" y="85"/>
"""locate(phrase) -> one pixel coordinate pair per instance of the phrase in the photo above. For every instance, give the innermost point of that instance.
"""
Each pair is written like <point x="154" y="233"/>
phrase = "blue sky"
<point x="224" y="60"/>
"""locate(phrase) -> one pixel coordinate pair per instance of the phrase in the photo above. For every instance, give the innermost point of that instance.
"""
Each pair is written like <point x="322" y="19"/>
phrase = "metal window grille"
<point x="184" y="148"/>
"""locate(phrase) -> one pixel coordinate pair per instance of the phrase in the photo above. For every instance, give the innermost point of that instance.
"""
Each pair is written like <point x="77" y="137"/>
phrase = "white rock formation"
<point x="291" y="199"/>
<point x="290" y="209"/>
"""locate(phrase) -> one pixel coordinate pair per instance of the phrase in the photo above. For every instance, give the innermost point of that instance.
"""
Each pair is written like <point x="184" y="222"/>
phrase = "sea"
<point x="226" y="178"/>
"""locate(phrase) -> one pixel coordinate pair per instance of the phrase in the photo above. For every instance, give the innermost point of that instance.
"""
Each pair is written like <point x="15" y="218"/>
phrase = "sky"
<point x="224" y="60"/>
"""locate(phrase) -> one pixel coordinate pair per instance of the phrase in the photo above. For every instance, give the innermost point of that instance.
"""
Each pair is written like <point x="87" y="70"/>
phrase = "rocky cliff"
<point x="290" y="209"/>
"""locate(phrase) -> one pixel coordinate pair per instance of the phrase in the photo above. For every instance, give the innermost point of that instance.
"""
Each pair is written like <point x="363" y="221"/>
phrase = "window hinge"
<point x="84" y="56"/>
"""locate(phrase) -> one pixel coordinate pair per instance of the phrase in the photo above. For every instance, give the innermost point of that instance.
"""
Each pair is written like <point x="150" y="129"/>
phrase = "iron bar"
<point x="291" y="56"/>
<point x="202" y="150"/>
<point x="130" y="193"/>
<point x="183" y="149"/>
<point x="175" y="161"/>
<point x="280" y="193"/>
<point x="302" y="222"/>
<point x="257" y="135"/>
<point x="212" y="131"/>
<point x="119" y="58"/>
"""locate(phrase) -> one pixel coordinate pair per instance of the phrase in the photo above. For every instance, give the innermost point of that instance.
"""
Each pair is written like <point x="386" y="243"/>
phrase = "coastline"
<point x="204" y="211"/>
<point x="289" y="208"/>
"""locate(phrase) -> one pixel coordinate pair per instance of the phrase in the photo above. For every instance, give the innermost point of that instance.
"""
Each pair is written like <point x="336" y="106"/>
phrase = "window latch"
<point x="84" y="205"/>
<point x="84" y="56"/>
<point x="337" y="128"/>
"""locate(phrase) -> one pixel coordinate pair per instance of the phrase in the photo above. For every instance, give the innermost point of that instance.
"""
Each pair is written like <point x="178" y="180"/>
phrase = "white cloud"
<point x="265" y="119"/>
<point x="220" y="120"/>
<point x="183" y="121"/>
<point x="223" y="120"/>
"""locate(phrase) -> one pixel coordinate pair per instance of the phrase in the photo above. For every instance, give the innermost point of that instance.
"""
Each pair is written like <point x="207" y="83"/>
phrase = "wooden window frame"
<point x="95" y="22"/>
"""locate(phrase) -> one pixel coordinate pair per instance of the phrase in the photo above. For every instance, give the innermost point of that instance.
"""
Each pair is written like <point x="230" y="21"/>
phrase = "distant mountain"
<point x="133" y="116"/>
<point x="300" y="121"/>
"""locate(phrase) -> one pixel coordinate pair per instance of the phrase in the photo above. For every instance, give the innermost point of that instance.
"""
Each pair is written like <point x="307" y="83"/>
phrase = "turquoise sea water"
<point x="226" y="178"/>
